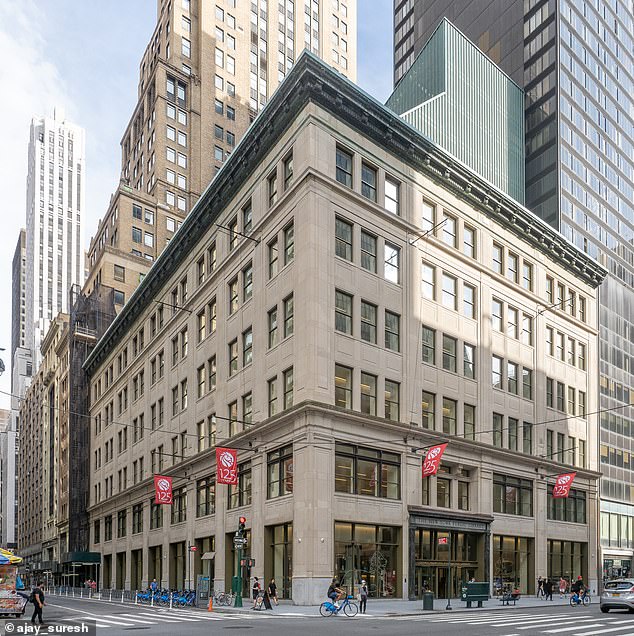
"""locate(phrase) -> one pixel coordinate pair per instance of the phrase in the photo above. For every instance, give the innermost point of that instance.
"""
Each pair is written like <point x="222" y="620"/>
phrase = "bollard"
<point x="81" y="593"/>
<point x="73" y="592"/>
<point x="136" y="597"/>
<point x="122" y="595"/>
<point x="110" y="596"/>
<point x="171" y="597"/>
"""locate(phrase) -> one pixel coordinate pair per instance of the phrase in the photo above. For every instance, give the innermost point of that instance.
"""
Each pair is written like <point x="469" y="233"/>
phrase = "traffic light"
<point x="242" y="524"/>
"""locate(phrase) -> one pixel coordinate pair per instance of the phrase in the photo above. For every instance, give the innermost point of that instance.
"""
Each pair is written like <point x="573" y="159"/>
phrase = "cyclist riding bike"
<point x="335" y="593"/>
<point x="578" y="589"/>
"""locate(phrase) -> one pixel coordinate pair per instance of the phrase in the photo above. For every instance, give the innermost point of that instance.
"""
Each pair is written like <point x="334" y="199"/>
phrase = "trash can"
<point x="428" y="601"/>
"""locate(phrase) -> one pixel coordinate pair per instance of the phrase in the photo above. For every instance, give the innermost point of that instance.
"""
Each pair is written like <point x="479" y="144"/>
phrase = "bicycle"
<point x="328" y="608"/>
<point x="576" y="600"/>
<point x="222" y="598"/>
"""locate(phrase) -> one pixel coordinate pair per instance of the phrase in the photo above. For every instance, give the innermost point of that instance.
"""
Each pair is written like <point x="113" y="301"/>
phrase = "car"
<point x="618" y="594"/>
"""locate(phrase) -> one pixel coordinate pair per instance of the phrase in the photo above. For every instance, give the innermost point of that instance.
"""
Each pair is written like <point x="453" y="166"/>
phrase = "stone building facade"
<point x="343" y="296"/>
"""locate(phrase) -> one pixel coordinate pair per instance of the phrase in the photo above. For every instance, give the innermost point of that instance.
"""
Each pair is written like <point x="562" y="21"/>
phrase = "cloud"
<point x="32" y="85"/>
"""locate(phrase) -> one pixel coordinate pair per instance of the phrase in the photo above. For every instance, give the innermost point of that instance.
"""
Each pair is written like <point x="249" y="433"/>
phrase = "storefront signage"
<point x="226" y="466"/>
<point x="562" y="486"/>
<point x="432" y="460"/>
<point x="442" y="541"/>
<point x="162" y="489"/>
<point x="448" y="524"/>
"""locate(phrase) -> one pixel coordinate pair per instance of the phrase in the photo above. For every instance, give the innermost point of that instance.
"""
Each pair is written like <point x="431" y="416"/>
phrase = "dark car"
<point x="618" y="594"/>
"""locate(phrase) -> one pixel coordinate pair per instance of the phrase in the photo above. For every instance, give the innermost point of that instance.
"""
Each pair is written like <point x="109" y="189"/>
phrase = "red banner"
<point x="563" y="484"/>
<point x="432" y="460"/>
<point x="226" y="466"/>
<point x="162" y="489"/>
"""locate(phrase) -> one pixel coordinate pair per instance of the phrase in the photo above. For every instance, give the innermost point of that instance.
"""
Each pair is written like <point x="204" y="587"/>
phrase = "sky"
<point x="84" y="57"/>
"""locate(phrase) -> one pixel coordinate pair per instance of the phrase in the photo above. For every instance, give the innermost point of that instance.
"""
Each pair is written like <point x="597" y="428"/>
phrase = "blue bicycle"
<point x="328" y="608"/>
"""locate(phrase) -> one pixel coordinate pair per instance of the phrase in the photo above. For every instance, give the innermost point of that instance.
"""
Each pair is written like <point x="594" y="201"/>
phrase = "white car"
<point x="618" y="594"/>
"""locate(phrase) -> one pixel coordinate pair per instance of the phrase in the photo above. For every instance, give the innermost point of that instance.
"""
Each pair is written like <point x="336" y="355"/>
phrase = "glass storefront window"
<point x="281" y="559"/>
<point x="567" y="559"/>
<point x="513" y="564"/>
<point x="369" y="472"/>
<point x="370" y="552"/>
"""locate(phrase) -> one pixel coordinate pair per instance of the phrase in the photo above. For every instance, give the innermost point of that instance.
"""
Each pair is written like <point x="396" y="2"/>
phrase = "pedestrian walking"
<point x="37" y="598"/>
<point x="272" y="590"/>
<point x="548" y="589"/>
<point x="563" y="587"/>
<point x="363" y="596"/>
<point x="256" y="590"/>
<point x="154" y="586"/>
<point x="540" y="586"/>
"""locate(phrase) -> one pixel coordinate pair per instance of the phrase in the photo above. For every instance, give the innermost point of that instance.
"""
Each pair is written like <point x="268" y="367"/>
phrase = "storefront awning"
<point x="208" y="556"/>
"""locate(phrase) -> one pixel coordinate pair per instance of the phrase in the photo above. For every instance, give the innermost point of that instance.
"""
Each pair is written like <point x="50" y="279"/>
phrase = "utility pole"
<point x="239" y="542"/>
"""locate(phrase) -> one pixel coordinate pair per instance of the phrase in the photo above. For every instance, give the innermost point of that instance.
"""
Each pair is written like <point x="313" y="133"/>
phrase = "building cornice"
<point x="311" y="80"/>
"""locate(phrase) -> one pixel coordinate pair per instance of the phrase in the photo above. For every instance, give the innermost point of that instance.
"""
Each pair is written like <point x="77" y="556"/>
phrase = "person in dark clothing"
<point x="273" y="591"/>
<point x="255" y="590"/>
<point x="363" y="596"/>
<point x="548" y="589"/>
<point x="335" y="593"/>
<point x="37" y="597"/>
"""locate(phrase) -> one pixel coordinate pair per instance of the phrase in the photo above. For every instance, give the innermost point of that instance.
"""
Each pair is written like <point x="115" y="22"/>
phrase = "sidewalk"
<point x="405" y="608"/>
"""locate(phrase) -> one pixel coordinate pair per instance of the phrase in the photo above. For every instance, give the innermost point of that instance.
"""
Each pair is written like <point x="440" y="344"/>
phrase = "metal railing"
<point x="117" y="596"/>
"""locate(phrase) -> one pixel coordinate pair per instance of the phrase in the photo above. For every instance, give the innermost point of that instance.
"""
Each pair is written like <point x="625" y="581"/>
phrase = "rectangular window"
<point x="392" y="195"/>
<point x="429" y="217"/>
<point x="511" y="377"/>
<point x="367" y="472"/>
<point x="572" y="352"/>
<point x="233" y="296"/>
<point x="527" y="330"/>
<point x="272" y="393"/>
<point x="344" y="167"/>
<point x="581" y="356"/>
<point x="368" y="393"/>
<point x="247" y="218"/>
<point x="550" y="390"/>
<point x="512" y="271"/>
<point x="233" y="357"/>
<point x="368" y="251"/>
<point x="527" y="276"/>
<point x="288" y="171"/>
<point x="343" y="312"/>
<point x="550" y="285"/>
<point x="240" y="494"/>
<point x="288" y="388"/>
<point x="247" y="282"/>
<point x="582" y="404"/>
<point x="392" y="263"/>
<point x="343" y="387"/>
<point x="550" y="341"/>
<point x="469" y="242"/>
<point x="289" y="243"/>
<point x="289" y="312"/>
<point x="443" y="492"/>
<point x="392" y="400"/>
<point x="449" y="353"/>
<point x="279" y="471"/>
<point x="392" y="331"/>
<point x="496" y="372"/>
<point x="527" y="438"/>
<point x="247" y="347"/>
<point x="449" y="409"/>
<point x="272" y="188"/>
<point x="498" y="258"/>
<point x="512" y="322"/>
<point x="429" y="281"/>
<point x="429" y="345"/>
<point x="234" y="426"/>
<point x="572" y="402"/>
<point x="272" y="327"/>
<point x="233" y="233"/>
<point x="469" y="421"/>
<point x="463" y="495"/>
<point x="468" y="301"/>
<point x="496" y="315"/>
<point x="368" y="181"/>
<point x="527" y="383"/>
<point x="273" y="258"/>
<point x="343" y="239"/>
<point x="512" y="495"/>
<point x="449" y="295"/>
<point x="512" y="433"/>
<point x="468" y="361"/>
<point x="571" y="509"/>
<point x="561" y="388"/>
<point x="368" y="322"/>
<point x="428" y="409"/>
<point x="449" y="225"/>
<point x="498" y="424"/>
<point x="205" y="497"/>
<point x="247" y="408"/>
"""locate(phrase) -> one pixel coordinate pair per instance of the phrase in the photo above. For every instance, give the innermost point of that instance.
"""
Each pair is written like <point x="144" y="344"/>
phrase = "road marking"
<point x="552" y="619"/>
<point x="132" y="617"/>
<point x="162" y="617"/>
<point x="571" y="629"/>
<point x="507" y="620"/>
<point x="109" y="620"/>
<point x="466" y="619"/>
<point x="577" y="621"/>
<point x="606" y="631"/>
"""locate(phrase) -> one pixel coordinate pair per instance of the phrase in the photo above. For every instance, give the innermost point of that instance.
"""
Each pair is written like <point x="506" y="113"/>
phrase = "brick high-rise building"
<point x="207" y="71"/>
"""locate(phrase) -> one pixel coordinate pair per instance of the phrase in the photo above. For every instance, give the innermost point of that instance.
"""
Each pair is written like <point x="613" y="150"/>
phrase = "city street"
<point x="115" y="618"/>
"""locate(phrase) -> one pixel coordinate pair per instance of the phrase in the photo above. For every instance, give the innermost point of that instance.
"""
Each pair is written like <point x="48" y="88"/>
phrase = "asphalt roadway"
<point x="117" y="619"/>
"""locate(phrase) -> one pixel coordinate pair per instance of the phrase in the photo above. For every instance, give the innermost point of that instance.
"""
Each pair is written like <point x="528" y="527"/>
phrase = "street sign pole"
<point x="239" y="590"/>
<point x="449" y="573"/>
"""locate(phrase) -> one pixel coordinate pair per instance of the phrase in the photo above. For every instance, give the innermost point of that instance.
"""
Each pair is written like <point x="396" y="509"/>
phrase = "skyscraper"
<point x="55" y="200"/>
<point x="207" y="71"/>
<point x="18" y="295"/>
<point x="574" y="61"/>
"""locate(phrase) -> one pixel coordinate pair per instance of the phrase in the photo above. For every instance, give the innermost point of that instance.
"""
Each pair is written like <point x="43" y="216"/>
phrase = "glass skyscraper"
<point x="576" y="67"/>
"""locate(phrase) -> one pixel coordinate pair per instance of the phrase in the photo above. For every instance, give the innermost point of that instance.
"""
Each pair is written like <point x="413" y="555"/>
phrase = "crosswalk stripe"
<point x="128" y="617"/>
<point x="607" y="631"/>
<point x="162" y="617"/>
<point x="467" y="619"/>
<point x="576" y="621"/>
<point x="108" y="620"/>
<point x="132" y="617"/>
<point x="552" y="619"/>
<point x="570" y="629"/>
<point x="507" y="620"/>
